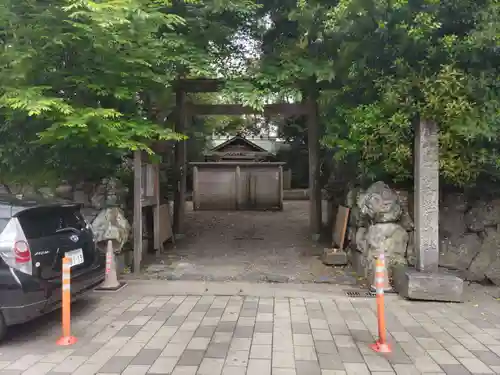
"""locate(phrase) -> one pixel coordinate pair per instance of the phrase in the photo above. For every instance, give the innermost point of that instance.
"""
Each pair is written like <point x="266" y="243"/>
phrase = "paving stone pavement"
<point x="130" y="333"/>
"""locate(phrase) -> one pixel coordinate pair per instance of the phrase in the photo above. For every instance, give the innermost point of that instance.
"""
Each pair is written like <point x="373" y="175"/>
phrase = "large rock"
<point x="353" y="201"/>
<point x="109" y="192"/>
<point x="493" y="272"/>
<point x="451" y="223"/>
<point x="111" y="224"/>
<point x="478" y="267"/>
<point x="361" y="244"/>
<point x="381" y="204"/>
<point x="488" y="255"/>
<point x="457" y="201"/>
<point x="64" y="191"/>
<point x="89" y="214"/>
<point x="406" y="220"/>
<point x="411" y="255"/>
<point x="350" y="200"/>
<point x="458" y="252"/>
<point x="356" y="218"/>
<point x="98" y="197"/>
<point x="353" y="197"/>
<point x="483" y="215"/>
<point x="23" y="190"/>
<point x="389" y="238"/>
<point x="46" y="192"/>
<point x="351" y="237"/>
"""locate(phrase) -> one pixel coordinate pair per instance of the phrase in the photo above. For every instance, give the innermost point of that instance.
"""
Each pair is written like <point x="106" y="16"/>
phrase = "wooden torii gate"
<point x="184" y="111"/>
<point x="426" y="186"/>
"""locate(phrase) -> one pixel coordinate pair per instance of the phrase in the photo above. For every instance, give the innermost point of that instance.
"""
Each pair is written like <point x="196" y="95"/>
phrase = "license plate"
<point x="75" y="256"/>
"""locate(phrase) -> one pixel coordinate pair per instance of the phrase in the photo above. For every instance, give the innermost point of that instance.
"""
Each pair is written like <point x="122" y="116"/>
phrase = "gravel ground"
<point x="247" y="246"/>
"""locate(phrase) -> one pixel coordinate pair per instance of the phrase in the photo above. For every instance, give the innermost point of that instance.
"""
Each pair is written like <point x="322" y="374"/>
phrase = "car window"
<point x="74" y="219"/>
<point x="5" y="211"/>
<point x="3" y="223"/>
<point x="46" y="222"/>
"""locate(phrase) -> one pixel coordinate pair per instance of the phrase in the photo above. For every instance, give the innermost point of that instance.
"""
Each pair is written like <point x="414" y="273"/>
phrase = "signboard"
<point x="148" y="184"/>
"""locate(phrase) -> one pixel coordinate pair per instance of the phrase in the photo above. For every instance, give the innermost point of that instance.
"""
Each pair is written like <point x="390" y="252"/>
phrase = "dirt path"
<point x="247" y="246"/>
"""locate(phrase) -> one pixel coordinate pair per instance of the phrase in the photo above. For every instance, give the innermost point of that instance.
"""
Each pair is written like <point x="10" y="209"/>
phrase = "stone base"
<point x="334" y="258"/>
<point x="439" y="286"/>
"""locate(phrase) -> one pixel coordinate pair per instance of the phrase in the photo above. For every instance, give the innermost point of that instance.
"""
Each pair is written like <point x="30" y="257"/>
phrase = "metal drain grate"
<point x="249" y="238"/>
<point x="360" y="294"/>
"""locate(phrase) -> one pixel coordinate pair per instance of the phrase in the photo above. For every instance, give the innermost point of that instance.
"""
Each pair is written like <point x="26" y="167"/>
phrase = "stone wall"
<point x="470" y="237"/>
<point x="93" y="197"/>
<point x="469" y="232"/>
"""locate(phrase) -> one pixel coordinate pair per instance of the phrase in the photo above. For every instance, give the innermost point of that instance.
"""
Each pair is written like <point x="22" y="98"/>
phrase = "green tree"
<point x="84" y="82"/>
<point x="388" y="64"/>
<point x="402" y="62"/>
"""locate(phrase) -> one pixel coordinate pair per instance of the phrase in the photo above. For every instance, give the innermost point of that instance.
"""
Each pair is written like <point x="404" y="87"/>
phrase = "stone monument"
<point x="426" y="282"/>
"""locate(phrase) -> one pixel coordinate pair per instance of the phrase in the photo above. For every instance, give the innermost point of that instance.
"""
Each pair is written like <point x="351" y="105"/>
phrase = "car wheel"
<point x="3" y="327"/>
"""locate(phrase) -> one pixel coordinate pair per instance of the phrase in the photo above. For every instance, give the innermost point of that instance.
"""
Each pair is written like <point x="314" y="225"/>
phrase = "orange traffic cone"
<point x="111" y="282"/>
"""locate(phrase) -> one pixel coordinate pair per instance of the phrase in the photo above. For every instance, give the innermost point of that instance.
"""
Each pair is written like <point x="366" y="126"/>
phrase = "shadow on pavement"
<point x="49" y="324"/>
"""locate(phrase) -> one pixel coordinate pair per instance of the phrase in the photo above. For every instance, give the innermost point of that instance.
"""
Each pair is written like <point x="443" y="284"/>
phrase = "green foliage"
<point x="381" y="138"/>
<point x="401" y="61"/>
<point x="71" y="76"/>
<point x="85" y="82"/>
<point x="389" y="64"/>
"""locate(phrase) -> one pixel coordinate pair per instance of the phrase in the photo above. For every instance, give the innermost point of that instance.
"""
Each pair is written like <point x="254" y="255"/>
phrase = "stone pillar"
<point x="427" y="282"/>
<point x="426" y="177"/>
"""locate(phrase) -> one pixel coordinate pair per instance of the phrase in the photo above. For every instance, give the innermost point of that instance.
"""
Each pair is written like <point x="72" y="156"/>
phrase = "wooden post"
<point x="137" y="211"/>
<point x="195" y="188"/>
<point x="314" y="172"/>
<point x="156" y="212"/>
<point x="180" y="166"/>
<point x="238" y="187"/>
<point x="280" y="186"/>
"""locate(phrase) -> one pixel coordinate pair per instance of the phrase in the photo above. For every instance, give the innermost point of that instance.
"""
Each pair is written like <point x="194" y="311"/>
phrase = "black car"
<point x="34" y="238"/>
